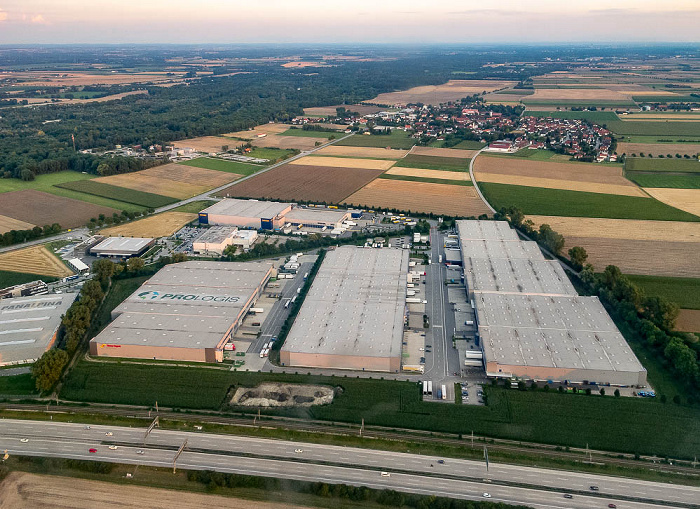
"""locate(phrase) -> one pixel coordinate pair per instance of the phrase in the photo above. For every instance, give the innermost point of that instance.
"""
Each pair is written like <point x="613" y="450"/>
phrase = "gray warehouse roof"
<point x="517" y="276"/>
<point x="355" y="305"/>
<point x="318" y="215"/>
<point x="485" y="230"/>
<point x="559" y="332"/>
<point x="119" y="245"/>
<point x="247" y="208"/>
<point x="27" y="325"/>
<point x="216" y="234"/>
<point x="480" y="248"/>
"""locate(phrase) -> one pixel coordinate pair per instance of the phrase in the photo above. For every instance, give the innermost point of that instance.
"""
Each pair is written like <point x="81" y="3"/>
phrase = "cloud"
<point x="3" y="15"/>
<point x="38" y="19"/>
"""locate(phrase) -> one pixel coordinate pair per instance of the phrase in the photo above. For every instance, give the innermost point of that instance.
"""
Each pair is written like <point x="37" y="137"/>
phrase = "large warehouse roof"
<point x="355" y="306"/>
<point x="318" y="215"/>
<point x="480" y="248"/>
<point x="557" y="332"/>
<point x="485" y="230"/>
<point x="28" y="324"/>
<point x="247" y="208"/>
<point x="518" y="275"/>
<point x="117" y="246"/>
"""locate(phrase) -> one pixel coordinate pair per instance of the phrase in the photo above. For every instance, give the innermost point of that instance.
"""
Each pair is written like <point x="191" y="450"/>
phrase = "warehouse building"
<point x="121" y="247"/>
<point x="353" y="315"/>
<point x="186" y="311"/>
<point x="316" y="218"/>
<point x="28" y="326"/>
<point x="259" y="215"/>
<point x="214" y="240"/>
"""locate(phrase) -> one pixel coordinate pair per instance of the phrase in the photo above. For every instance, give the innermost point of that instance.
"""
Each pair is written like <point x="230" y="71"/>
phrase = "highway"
<point x="539" y="488"/>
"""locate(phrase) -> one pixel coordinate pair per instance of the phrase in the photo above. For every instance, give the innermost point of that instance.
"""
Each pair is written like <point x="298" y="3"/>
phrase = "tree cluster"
<point x="545" y="235"/>
<point x="19" y="236"/>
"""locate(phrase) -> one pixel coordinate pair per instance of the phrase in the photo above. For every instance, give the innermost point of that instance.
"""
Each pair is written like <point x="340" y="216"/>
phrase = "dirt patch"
<point x="659" y="148"/>
<point x="160" y="225"/>
<point x="684" y="199"/>
<point x="343" y="162"/>
<point x="433" y="174"/>
<point x="34" y="260"/>
<point x="141" y="181"/>
<point x="204" y="143"/>
<point x="191" y="175"/>
<point x="419" y="197"/>
<point x="443" y="152"/>
<point x="303" y="183"/>
<point x="41" y="208"/>
<point x="276" y="395"/>
<point x="379" y="153"/>
<point x="453" y="90"/>
<point x="688" y="320"/>
<point x="31" y="491"/>
<point x="8" y="224"/>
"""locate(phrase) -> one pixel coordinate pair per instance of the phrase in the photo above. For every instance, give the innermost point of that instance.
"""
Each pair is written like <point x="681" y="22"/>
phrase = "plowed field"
<point x="419" y="197"/>
<point x="688" y="320"/>
<point x="379" y="153"/>
<point x="443" y="152"/>
<point x="305" y="183"/>
<point x="160" y="225"/>
<point x="155" y="185"/>
<point x="433" y="174"/>
<point x="34" y="260"/>
<point x="684" y="199"/>
<point x="343" y="162"/>
<point x="7" y="224"/>
<point x="191" y="175"/>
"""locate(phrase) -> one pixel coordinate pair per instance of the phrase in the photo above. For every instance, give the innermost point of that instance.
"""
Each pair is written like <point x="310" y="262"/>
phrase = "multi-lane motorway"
<point x="315" y="462"/>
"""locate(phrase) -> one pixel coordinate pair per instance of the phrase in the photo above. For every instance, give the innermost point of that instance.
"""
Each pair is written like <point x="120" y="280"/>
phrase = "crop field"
<point x="683" y="291"/>
<point x="191" y="175"/>
<point x="41" y="208"/>
<point x="141" y="198"/>
<point x="361" y="152"/>
<point x="296" y="131"/>
<point x="288" y="142"/>
<point x="271" y="154"/>
<point x="462" y="145"/>
<point x="325" y="111"/>
<point x="397" y="140"/>
<point x="303" y="183"/>
<point x="50" y="79"/>
<point x="268" y="129"/>
<point x="657" y="149"/>
<point x="627" y="189"/>
<point x="684" y="199"/>
<point x="8" y="278"/>
<point x="435" y="162"/>
<point x="688" y="320"/>
<point x="660" y="139"/>
<point x="644" y="179"/>
<point x="662" y="164"/>
<point x="442" y="152"/>
<point x="599" y="117"/>
<point x="153" y="184"/>
<point x="7" y="224"/>
<point x="453" y="90"/>
<point x="431" y="174"/>
<point x="235" y="167"/>
<point x="558" y="202"/>
<point x="206" y="144"/>
<point x="34" y="260"/>
<point x="553" y="95"/>
<point x="419" y="197"/>
<point x="429" y="180"/>
<point x="160" y="225"/>
<point x="651" y="128"/>
<point x="343" y="162"/>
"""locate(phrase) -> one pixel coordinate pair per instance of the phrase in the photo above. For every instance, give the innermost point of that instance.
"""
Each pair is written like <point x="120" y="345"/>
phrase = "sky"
<point x="353" y="21"/>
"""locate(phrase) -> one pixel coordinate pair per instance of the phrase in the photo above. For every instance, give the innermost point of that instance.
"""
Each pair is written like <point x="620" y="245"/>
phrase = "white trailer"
<point x="444" y="392"/>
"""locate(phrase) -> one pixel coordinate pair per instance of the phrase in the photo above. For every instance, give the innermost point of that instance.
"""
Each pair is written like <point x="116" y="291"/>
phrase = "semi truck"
<point x="444" y="392"/>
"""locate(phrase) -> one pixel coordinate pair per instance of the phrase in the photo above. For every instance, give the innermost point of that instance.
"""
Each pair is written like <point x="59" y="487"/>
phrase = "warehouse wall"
<point x="353" y="362"/>
<point x="574" y="375"/>
<point x="150" y="352"/>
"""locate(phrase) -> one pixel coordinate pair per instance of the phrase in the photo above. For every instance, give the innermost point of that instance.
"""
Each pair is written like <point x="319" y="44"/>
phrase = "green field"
<point x="194" y="206"/>
<point x="272" y="154"/>
<point x="222" y="165"/>
<point x="557" y="202"/>
<point x="397" y="139"/>
<point x="309" y="134"/>
<point x="462" y="145"/>
<point x="17" y="385"/>
<point x="8" y="278"/>
<point x="547" y="104"/>
<point x="659" y="139"/>
<point x="684" y="291"/>
<point x="598" y="117"/>
<point x="534" y="155"/>
<point x="148" y="200"/>
<point x="659" y="164"/>
<point x="631" y="425"/>
<point x="642" y="179"/>
<point x="434" y="162"/>
<point x="426" y="179"/>
<point x="664" y="99"/>
<point x="683" y="130"/>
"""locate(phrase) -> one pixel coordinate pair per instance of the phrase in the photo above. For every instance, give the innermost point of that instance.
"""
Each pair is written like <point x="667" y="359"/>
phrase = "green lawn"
<point x="434" y="162"/>
<point x="426" y="179"/>
<point x="557" y="202"/>
<point x="462" y="145"/>
<point x="223" y="165"/>
<point x="8" y="278"/>
<point x="17" y="385"/>
<point x="683" y="130"/>
<point x="272" y="154"/>
<point x="194" y="206"/>
<point x="598" y="117"/>
<point x="123" y="194"/>
<point x="631" y="425"/>
<point x="662" y="164"/>
<point x="397" y="139"/>
<point x="309" y="134"/>
<point x="684" y="291"/>
<point x="690" y="181"/>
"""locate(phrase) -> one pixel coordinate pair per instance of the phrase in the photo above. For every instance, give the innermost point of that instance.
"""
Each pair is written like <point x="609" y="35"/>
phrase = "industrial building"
<point x="353" y="315"/>
<point x="121" y="247"/>
<point x="531" y="323"/>
<point x="259" y="215"/>
<point x="187" y="311"/>
<point x="214" y="240"/>
<point x="28" y="326"/>
<point x="316" y="218"/>
<point x="37" y="287"/>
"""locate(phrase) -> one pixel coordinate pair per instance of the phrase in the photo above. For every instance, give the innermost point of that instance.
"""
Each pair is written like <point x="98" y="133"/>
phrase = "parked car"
<point x="92" y="450"/>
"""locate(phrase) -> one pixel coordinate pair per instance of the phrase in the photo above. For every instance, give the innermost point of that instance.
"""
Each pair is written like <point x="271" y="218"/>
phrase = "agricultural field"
<point x="303" y="183"/>
<point x="453" y="90"/>
<point x="657" y="149"/>
<point x="462" y="145"/>
<point x="662" y="165"/>
<point x="268" y="129"/>
<point x="644" y="179"/>
<point x="8" y="278"/>
<point x="683" y="291"/>
<point x="435" y="162"/>
<point x="34" y="260"/>
<point x="443" y="152"/>
<point x="424" y="197"/>
<point x="288" y="142"/>
<point x="140" y="181"/>
<point x="143" y="199"/>
<point x="652" y="128"/>
<point x="206" y="144"/>
<point x="684" y="199"/>
<point x="304" y="133"/>
<point x="598" y="117"/>
<point x="361" y="152"/>
<point x="688" y="320"/>
<point x="429" y="180"/>
<point x="235" y="167"/>
<point x="190" y="175"/>
<point x="8" y="224"/>
<point x="397" y="139"/>
<point x="430" y="174"/>
<point x="41" y="208"/>
<point x="271" y="154"/>
<point x="342" y="162"/>
<point x="51" y="79"/>
<point x="331" y="111"/>
<point x="159" y="225"/>
<point x="558" y="202"/>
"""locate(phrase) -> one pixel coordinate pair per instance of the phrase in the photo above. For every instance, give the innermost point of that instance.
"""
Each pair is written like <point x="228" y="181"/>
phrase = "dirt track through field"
<point x="30" y="491"/>
<point x="684" y="199"/>
<point x="142" y="182"/>
<point x="370" y="152"/>
<point x="160" y="225"/>
<point x="8" y="224"/>
<point x="433" y="174"/>
<point x="443" y="152"/>
<point x="343" y="162"/>
<point x="688" y="320"/>
<point x="34" y="260"/>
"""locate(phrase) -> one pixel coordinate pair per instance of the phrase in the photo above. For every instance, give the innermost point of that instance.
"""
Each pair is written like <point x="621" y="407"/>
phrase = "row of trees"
<point x="18" y="236"/>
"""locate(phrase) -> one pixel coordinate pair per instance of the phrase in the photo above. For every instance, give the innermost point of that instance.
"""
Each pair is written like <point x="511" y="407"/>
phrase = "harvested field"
<point x="659" y="148"/>
<point x="453" y="90"/>
<point x="590" y="187"/>
<point x="156" y="185"/>
<point x="204" y="143"/>
<point x="368" y="152"/>
<point x="419" y="197"/>
<point x="688" y="320"/>
<point x="34" y="260"/>
<point x="8" y="224"/>
<point x="160" y="225"/>
<point x="442" y="152"/>
<point x="684" y="199"/>
<point x="50" y="79"/>
<point x="249" y="134"/>
<point x="191" y="175"/>
<point x="343" y="162"/>
<point x="433" y="174"/>
<point x="41" y="208"/>
<point x="324" y="111"/>
<point x="20" y="490"/>
<point x="583" y="94"/>
<point x="288" y="142"/>
<point x="303" y="183"/>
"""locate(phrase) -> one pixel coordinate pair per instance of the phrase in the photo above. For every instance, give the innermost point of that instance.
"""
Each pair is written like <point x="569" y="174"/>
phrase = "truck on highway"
<point x="306" y="276"/>
<point x="439" y="258"/>
<point x="286" y="304"/>
<point x="444" y="392"/>
<point x="425" y="387"/>
<point x="256" y="311"/>
<point x="430" y="387"/>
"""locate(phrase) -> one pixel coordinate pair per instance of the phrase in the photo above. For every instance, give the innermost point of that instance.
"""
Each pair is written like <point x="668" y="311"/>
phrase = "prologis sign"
<point x="152" y="295"/>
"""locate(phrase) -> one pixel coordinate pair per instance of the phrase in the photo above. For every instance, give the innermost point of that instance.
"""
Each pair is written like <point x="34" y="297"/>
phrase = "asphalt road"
<point x="316" y="462"/>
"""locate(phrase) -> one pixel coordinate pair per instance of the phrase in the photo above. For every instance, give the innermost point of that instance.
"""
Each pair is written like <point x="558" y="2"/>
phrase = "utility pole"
<point x="362" y="426"/>
<point x="150" y="428"/>
<point x="177" y="455"/>
<point x="472" y="439"/>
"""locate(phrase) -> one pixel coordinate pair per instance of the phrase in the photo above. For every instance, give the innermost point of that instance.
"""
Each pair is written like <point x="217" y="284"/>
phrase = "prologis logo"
<point x="145" y="295"/>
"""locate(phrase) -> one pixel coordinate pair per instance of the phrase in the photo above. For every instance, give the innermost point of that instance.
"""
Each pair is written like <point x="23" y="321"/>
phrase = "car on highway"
<point x="612" y="506"/>
<point x="140" y="451"/>
<point x="93" y="451"/>
<point x="428" y="346"/>
<point x="87" y="427"/>
<point x="24" y="440"/>
<point x="298" y="451"/>
<point x="112" y="447"/>
<point x="109" y="434"/>
<point x="442" y="462"/>
<point x="385" y="474"/>
<point x="568" y="495"/>
<point x="486" y="495"/>
<point x="594" y="488"/>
